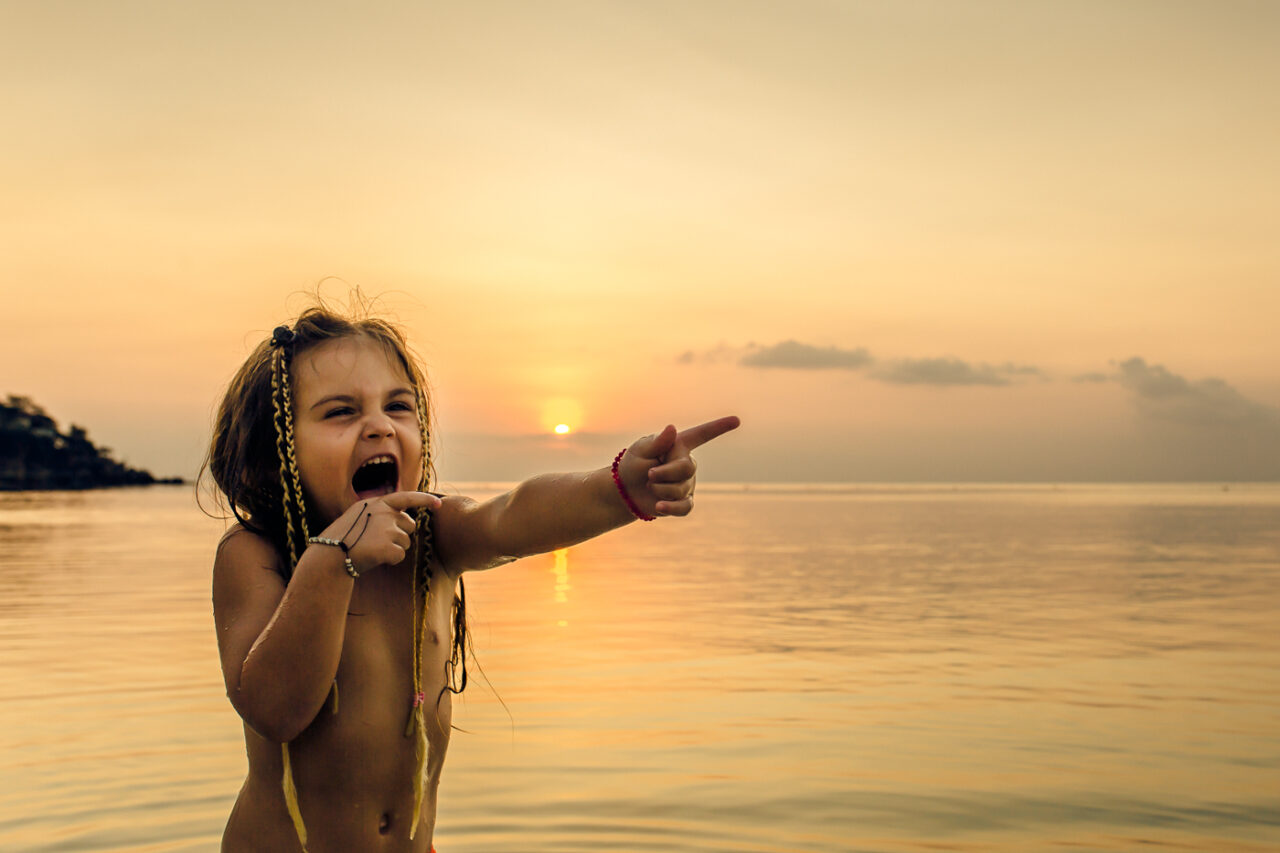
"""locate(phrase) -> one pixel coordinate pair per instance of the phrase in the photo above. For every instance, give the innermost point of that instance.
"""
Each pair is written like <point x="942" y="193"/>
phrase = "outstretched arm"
<point x="557" y="510"/>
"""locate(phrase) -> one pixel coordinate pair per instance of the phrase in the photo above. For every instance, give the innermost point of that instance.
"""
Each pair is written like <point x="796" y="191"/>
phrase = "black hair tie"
<point x="283" y="336"/>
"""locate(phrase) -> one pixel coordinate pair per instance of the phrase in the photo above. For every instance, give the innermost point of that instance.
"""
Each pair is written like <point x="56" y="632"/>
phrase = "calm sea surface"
<point x="861" y="668"/>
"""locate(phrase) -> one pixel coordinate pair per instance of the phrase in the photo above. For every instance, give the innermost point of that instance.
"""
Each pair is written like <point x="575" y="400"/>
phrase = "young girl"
<point x="338" y="595"/>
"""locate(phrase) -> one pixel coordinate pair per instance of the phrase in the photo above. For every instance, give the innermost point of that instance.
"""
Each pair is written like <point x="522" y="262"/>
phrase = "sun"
<point x="562" y="415"/>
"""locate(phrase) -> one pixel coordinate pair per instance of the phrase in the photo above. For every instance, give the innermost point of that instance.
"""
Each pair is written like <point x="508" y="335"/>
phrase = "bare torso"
<point x="354" y="770"/>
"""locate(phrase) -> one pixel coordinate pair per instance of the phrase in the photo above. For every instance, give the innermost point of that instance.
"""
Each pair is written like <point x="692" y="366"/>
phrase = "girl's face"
<point x="355" y="424"/>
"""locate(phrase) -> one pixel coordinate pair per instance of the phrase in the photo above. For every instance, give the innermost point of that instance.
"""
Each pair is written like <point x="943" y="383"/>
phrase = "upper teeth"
<point x="375" y="460"/>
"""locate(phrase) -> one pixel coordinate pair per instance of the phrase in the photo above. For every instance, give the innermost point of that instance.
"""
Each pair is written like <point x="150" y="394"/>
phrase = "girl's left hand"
<point x="658" y="470"/>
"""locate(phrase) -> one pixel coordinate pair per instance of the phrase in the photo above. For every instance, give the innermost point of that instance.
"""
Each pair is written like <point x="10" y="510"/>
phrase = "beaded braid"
<point x="283" y="421"/>
<point x="282" y="401"/>
<point x="287" y="393"/>
<point x="456" y="666"/>
<point x="457" y="662"/>
<point x="421" y="572"/>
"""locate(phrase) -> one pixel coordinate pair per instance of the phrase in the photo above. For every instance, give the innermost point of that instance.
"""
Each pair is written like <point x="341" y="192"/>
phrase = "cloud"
<point x="1165" y="396"/>
<point x="950" y="371"/>
<point x="721" y="352"/>
<point x="793" y="355"/>
<point x="1199" y="429"/>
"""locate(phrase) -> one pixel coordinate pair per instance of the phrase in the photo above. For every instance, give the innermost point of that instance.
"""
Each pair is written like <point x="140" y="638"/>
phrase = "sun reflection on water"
<point x="560" y="568"/>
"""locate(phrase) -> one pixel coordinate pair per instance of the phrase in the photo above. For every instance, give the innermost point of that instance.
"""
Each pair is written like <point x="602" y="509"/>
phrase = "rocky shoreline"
<point x="35" y="455"/>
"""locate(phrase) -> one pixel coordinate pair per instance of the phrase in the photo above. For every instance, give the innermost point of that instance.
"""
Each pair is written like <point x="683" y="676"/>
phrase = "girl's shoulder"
<point x="445" y="521"/>
<point x="242" y="547"/>
<point x="464" y="534"/>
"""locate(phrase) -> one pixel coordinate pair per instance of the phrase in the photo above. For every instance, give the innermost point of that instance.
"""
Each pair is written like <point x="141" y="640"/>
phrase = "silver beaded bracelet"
<point x="346" y="557"/>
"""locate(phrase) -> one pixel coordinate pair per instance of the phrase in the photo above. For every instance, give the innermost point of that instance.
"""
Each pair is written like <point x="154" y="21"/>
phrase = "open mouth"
<point x="378" y="476"/>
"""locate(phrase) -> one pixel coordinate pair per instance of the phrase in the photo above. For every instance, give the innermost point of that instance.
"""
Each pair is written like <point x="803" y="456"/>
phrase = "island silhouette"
<point x="35" y="456"/>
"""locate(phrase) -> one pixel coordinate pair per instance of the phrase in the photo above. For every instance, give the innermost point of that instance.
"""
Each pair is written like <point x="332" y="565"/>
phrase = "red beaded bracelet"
<point x="617" y="481"/>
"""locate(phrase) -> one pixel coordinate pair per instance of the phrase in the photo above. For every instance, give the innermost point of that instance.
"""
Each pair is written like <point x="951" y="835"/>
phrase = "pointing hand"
<point x="658" y="471"/>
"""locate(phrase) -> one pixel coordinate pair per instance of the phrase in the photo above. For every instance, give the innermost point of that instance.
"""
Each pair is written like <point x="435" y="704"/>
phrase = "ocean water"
<point x="799" y="668"/>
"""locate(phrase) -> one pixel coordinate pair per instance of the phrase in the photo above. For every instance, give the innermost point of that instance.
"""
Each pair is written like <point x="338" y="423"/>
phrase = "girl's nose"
<point x="378" y="426"/>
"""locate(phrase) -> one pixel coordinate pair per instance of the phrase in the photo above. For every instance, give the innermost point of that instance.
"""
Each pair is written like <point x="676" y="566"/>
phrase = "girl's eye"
<point x="338" y="412"/>
<point x="400" y="406"/>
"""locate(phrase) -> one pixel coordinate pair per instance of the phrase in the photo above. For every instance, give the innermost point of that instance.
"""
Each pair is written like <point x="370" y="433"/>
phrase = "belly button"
<point x="384" y="824"/>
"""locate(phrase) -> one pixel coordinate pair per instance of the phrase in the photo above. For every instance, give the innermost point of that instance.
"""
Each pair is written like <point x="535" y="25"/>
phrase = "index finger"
<point x="702" y="433"/>
<point x="404" y="500"/>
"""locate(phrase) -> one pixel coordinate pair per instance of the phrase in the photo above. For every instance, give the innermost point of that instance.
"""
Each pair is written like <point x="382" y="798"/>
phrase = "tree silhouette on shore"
<point x="35" y="455"/>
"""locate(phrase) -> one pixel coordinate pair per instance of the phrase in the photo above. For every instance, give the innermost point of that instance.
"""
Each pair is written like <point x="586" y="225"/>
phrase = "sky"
<point x="907" y="241"/>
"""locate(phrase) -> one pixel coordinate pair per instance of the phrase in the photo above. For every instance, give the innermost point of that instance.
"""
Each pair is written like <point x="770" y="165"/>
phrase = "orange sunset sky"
<point x="903" y="240"/>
